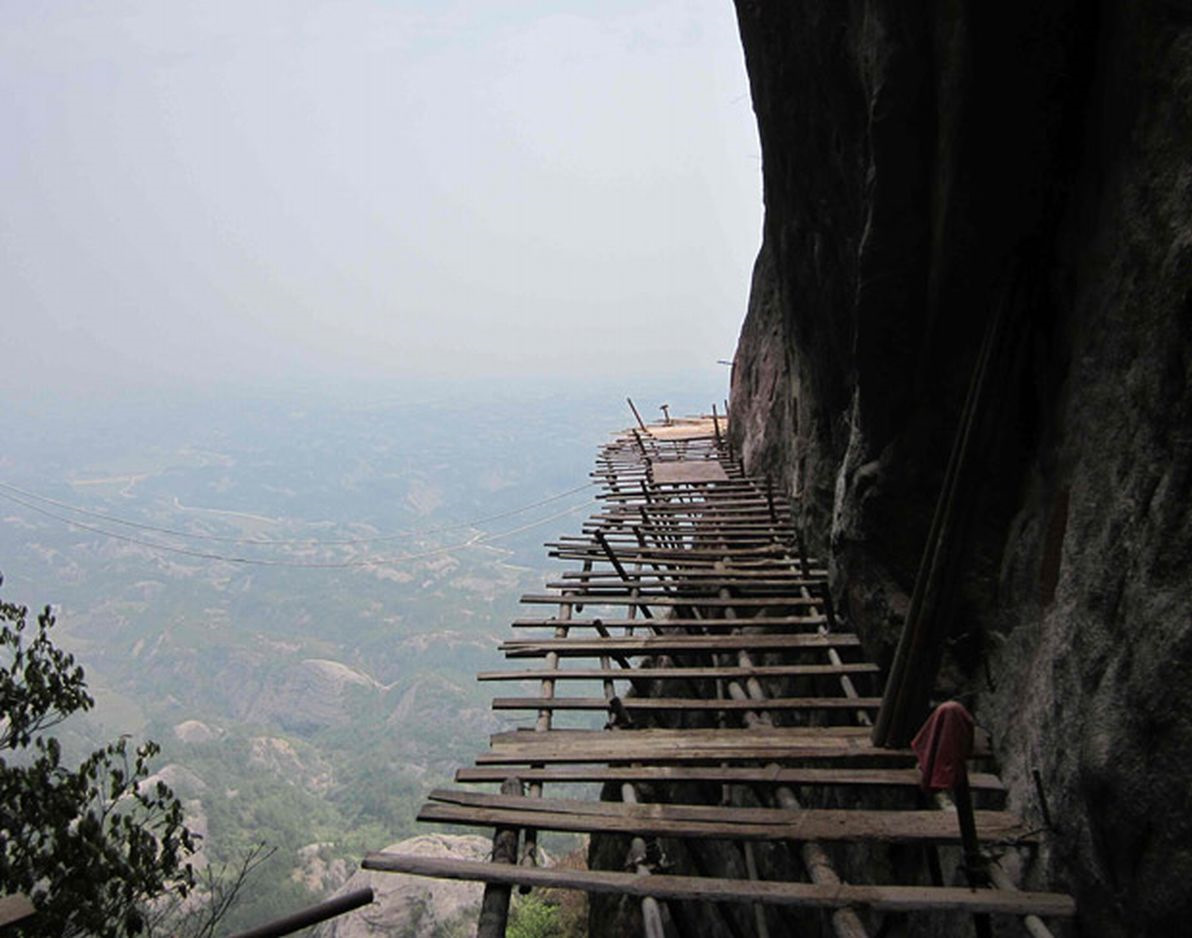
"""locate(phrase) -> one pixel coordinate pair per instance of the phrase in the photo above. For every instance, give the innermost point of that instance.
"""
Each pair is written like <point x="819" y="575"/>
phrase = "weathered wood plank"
<point x="681" y="674"/>
<point x="696" y="755"/>
<point x="665" y="599"/>
<point x="743" y="775"/>
<point x="810" y="751"/>
<point x="733" y="621"/>
<point x="692" y="592"/>
<point x="790" y="625"/>
<point x="880" y="898"/>
<point x="15" y="908"/>
<point x="853" y="822"/>
<point x="676" y="644"/>
<point x="687" y="703"/>
<point x="625" y="549"/>
<point x="703" y="470"/>
<point x="775" y="735"/>
<point x="654" y="820"/>
<point x="714" y="579"/>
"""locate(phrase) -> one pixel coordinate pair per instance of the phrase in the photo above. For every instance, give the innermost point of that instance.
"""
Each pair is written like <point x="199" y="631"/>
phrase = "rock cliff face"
<point x="928" y="166"/>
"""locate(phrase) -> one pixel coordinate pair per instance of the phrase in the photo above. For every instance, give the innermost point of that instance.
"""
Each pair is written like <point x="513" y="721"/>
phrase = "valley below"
<point x="293" y="596"/>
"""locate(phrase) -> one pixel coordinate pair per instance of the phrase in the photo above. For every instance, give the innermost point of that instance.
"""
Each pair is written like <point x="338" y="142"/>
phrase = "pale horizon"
<point x="203" y="195"/>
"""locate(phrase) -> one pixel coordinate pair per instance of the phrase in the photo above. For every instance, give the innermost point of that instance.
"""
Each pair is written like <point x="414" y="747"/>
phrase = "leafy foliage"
<point x="532" y="917"/>
<point x="92" y="846"/>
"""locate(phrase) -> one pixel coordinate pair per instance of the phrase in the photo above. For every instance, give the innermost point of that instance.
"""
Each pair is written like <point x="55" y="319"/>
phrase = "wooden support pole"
<point x="637" y="862"/>
<point x="916" y="659"/>
<point x="845" y="922"/>
<point x="311" y="915"/>
<point x="529" y="854"/>
<point x="612" y="558"/>
<point x="494" y="907"/>
<point x="974" y="866"/>
<point x="1034" y="925"/>
<point x="641" y="423"/>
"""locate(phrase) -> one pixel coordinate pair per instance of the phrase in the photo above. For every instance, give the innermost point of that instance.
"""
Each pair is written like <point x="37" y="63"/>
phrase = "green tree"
<point x="93" y="846"/>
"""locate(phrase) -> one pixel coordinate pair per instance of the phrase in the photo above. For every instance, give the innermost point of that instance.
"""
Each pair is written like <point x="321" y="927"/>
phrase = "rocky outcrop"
<point x="414" y="906"/>
<point x="927" y="168"/>
<point x="194" y="731"/>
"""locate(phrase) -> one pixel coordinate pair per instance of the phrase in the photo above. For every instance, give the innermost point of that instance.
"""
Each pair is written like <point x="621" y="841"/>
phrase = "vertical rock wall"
<point x="925" y="165"/>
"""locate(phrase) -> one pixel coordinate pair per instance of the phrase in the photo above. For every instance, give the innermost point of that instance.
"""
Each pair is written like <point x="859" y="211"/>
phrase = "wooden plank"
<point x="659" y="511"/>
<point x="687" y="703"/>
<point x="630" y="481"/>
<point x="665" y="644"/>
<point x="852" y="823"/>
<point x="15" y="908"/>
<point x="786" y="625"/>
<point x="836" y="826"/>
<point x="681" y="674"/>
<point x="808" y="751"/>
<point x="701" y="579"/>
<point x="703" y="470"/>
<point x="703" y="502"/>
<point x="688" y="522"/>
<point x="712" y="499"/>
<point x="697" y="755"/>
<point x="679" y="561"/>
<point x="730" y="775"/>
<point x="775" y="735"/>
<point x="681" y="535"/>
<point x="696" y="889"/>
<point x="624" y="550"/>
<point x="692" y="590"/>
<point x="775" y="558"/>
<point x="732" y="621"/>
<point x="666" y="599"/>
<point x="784" y="745"/>
<point x="682" y="432"/>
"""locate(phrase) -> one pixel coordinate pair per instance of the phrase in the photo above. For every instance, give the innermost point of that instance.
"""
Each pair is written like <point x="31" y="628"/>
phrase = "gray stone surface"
<point x="415" y="906"/>
<point x="924" y="166"/>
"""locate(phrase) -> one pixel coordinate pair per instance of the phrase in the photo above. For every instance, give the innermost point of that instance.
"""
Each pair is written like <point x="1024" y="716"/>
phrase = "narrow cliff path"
<point x="736" y="715"/>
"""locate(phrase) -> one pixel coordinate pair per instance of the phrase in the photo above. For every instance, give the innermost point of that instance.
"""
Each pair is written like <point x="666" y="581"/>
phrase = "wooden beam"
<point x="729" y="775"/>
<point x="698" y="888"/>
<point x="685" y="703"/>
<point x="665" y="599"/>
<point x="778" y="625"/>
<point x="667" y="821"/>
<point x="666" y="644"/>
<point x="734" y="621"/>
<point x="15" y="908"/>
<point x="658" y="736"/>
<point x="681" y="674"/>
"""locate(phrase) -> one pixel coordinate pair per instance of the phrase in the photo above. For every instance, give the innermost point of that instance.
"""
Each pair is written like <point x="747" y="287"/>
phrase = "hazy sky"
<point x="299" y="190"/>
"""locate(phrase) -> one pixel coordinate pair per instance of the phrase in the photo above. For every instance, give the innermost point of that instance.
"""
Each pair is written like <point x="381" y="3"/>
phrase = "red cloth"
<point x="943" y="744"/>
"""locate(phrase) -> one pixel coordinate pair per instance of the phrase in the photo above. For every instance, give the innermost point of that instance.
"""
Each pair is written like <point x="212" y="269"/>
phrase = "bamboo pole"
<point x="845" y="922"/>
<point x="494" y="907"/>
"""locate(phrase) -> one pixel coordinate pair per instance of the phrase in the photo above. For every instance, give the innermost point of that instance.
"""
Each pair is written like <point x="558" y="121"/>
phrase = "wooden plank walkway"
<point x="711" y="596"/>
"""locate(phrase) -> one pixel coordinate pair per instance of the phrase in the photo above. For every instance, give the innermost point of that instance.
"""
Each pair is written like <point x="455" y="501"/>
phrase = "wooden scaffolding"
<point x="694" y="607"/>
